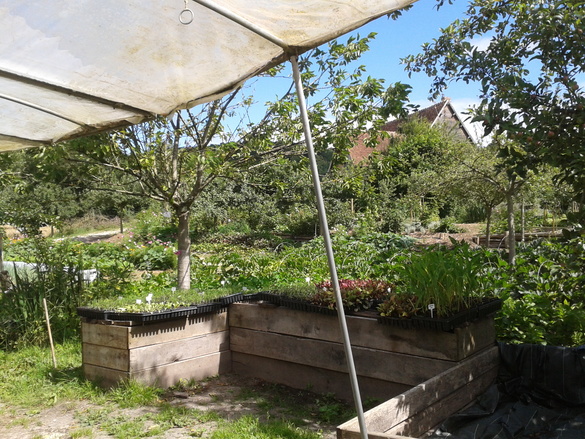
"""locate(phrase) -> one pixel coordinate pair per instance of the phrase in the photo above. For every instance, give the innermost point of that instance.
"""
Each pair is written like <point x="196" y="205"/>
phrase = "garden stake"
<point x="50" y="335"/>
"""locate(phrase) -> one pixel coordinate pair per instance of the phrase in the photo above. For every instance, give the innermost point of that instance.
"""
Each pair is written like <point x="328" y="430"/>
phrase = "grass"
<point x="30" y="385"/>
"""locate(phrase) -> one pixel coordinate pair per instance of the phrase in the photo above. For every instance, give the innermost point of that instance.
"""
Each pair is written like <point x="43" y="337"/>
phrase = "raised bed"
<point x="156" y="352"/>
<point x="305" y="350"/>
<point x="413" y="413"/>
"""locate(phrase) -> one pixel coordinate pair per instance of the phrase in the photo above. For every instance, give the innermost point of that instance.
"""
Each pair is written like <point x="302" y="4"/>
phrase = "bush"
<point x="151" y="224"/>
<point x="54" y="276"/>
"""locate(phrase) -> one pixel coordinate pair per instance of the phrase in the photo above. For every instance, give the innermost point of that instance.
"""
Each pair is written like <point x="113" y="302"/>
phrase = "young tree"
<point x="175" y="160"/>
<point x="529" y="76"/>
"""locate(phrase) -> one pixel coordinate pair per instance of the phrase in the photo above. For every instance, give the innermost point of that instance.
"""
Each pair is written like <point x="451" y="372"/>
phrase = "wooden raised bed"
<point x="305" y="350"/>
<point x="416" y="411"/>
<point x="428" y="374"/>
<point x="159" y="353"/>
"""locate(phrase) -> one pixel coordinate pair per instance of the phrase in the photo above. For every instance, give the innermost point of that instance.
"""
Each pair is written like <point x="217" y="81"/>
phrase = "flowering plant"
<point x="357" y="295"/>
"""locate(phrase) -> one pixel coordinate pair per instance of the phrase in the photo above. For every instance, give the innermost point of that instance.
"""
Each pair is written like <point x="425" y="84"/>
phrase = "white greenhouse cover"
<point x="73" y="67"/>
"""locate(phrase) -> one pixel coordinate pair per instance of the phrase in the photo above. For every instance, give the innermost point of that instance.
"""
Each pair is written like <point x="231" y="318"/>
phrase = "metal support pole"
<point x="328" y="248"/>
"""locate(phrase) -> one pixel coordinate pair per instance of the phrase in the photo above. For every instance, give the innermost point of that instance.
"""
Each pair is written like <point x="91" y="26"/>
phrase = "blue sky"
<point x="395" y="40"/>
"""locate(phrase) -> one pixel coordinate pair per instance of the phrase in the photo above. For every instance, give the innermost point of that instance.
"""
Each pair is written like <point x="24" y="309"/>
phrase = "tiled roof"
<point x="441" y="111"/>
<point x="431" y="114"/>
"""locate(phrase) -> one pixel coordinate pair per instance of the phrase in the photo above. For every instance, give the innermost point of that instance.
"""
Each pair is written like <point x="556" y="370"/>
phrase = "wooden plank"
<point x="164" y="376"/>
<point x="400" y="408"/>
<point x="194" y="369"/>
<point x="105" y="356"/>
<point x="347" y="434"/>
<point x="388" y="366"/>
<point x="432" y="416"/>
<point x="178" y="350"/>
<point x="363" y="331"/>
<point x="299" y="376"/>
<point x="103" y="376"/>
<point x="176" y="329"/>
<point x="105" y="335"/>
<point x="475" y="337"/>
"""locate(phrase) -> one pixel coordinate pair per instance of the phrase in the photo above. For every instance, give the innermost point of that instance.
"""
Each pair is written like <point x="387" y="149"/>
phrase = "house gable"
<point x="441" y="113"/>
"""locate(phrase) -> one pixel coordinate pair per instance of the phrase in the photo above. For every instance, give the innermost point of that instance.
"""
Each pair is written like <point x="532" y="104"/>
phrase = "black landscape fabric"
<point x="539" y="394"/>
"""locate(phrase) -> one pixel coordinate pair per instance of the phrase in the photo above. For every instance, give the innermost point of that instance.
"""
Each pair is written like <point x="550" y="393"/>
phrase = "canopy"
<point x="71" y="68"/>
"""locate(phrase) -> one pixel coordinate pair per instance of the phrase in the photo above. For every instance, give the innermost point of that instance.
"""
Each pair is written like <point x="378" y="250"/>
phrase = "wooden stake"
<point x="50" y="335"/>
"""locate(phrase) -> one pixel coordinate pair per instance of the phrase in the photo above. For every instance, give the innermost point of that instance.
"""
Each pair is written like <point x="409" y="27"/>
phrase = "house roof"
<point x="440" y="113"/>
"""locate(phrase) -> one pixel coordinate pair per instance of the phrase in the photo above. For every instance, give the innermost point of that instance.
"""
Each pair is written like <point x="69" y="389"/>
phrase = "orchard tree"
<point x="174" y="160"/>
<point x="530" y="77"/>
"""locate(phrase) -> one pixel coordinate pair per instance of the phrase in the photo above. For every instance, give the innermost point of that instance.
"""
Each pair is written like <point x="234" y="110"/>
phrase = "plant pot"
<point x="149" y="317"/>
<point x="485" y="308"/>
<point x="301" y="305"/>
<point x="138" y="317"/>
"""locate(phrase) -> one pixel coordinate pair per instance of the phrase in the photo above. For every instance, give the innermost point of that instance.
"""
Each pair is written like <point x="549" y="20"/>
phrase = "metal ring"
<point x="186" y="16"/>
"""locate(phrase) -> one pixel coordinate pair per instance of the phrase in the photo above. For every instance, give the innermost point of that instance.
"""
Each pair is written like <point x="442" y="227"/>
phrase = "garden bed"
<point x="278" y="344"/>
<point x="418" y="410"/>
<point x="156" y="352"/>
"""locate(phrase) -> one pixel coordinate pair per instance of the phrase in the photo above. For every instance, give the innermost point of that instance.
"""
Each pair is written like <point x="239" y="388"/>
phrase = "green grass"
<point x="31" y="384"/>
<point x="249" y="427"/>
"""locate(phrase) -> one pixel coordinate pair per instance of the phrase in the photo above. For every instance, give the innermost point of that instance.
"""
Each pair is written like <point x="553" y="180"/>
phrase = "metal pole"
<point x="328" y="248"/>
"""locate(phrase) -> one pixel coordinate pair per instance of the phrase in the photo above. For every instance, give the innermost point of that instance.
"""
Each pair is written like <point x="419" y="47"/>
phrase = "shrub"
<point x="54" y="276"/>
<point x="152" y="224"/>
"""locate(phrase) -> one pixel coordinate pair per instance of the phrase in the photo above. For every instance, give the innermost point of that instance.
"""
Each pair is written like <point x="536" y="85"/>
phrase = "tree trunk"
<point x="488" y="227"/>
<point x="184" y="252"/>
<point x="511" y="227"/>
<point x="121" y="224"/>
<point x="522" y="221"/>
<point x="1" y="250"/>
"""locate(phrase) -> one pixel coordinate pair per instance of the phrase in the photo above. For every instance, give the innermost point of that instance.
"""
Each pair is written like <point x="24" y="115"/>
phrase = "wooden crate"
<point x="156" y="354"/>
<point x="305" y="350"/>
<point x="414" y="412"/>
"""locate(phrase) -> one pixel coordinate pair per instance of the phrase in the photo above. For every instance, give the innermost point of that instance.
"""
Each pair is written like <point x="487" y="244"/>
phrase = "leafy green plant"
<point x="544" y="295"/>
<point x="54" y="275"/>
<point x="448" y="278"/>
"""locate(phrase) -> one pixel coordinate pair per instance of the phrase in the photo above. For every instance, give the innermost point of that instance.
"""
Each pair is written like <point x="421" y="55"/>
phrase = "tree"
<point x="529" y="78"/>
<point x="175" y="160"/>
<point x="412" y="171"/>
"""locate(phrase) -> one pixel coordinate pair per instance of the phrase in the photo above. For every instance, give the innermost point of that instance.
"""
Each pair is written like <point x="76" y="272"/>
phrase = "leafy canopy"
<point x="529" y="75"/>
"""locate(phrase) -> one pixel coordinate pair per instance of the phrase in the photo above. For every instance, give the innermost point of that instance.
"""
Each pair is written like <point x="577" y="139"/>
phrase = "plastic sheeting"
<point x="540" y="394"/>
<point x="71" y="68"/>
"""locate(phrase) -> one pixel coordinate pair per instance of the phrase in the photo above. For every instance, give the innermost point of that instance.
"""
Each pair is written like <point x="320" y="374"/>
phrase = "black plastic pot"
<point x="138" y="317"/>
<point x="487" y="307"/>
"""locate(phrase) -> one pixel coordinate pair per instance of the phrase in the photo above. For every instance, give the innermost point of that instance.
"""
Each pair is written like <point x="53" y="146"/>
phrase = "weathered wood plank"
<point x="194" y="369"/>
<point x="363" y="331"/>
<point x="164" y="376"/>
<point x="475" y="337"/>
<point x="103" y="376"/>
<point x="375" y="435"/>
<point x="176" y="329"/>
<point x="105" y="335"/>
<point x="398" y="368"/>
<point x="299" y="376"/>
<point x="433" y="415"/>
<point x="178" y="350"/>
<point x="106" y="356"/>
<point x="397" y="410"/>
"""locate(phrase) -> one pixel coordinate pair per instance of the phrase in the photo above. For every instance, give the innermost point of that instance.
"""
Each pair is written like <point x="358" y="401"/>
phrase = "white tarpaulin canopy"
<point x="69" y="68"/>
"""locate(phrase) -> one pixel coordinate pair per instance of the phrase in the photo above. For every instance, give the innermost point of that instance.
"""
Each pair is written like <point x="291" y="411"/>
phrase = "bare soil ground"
<point x="468" y="232"/>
